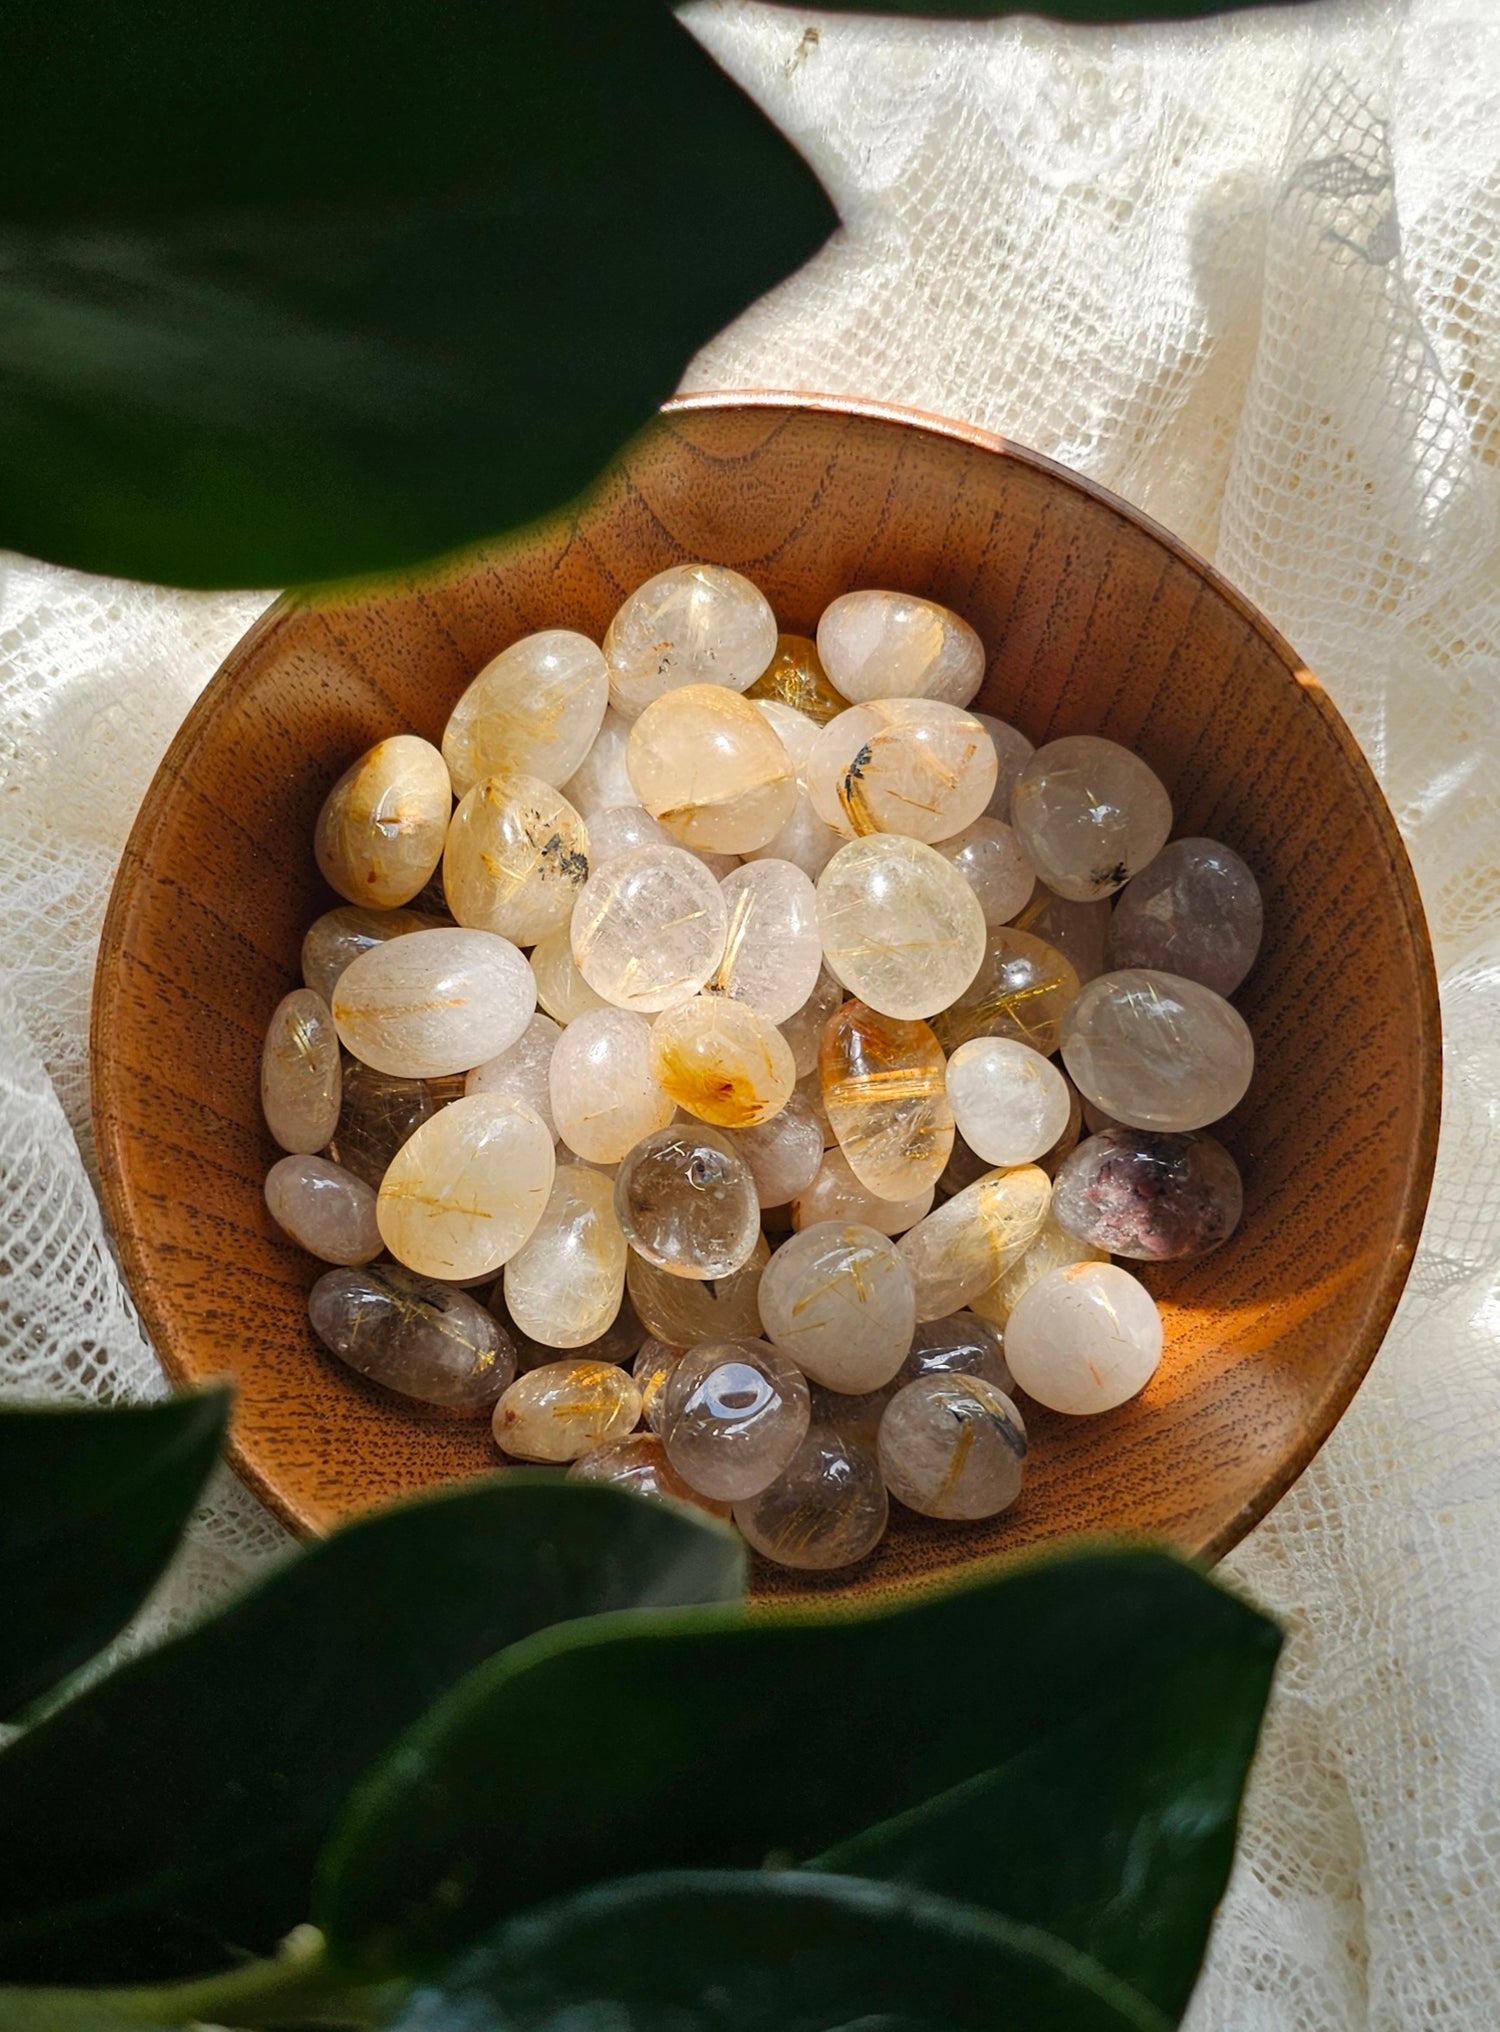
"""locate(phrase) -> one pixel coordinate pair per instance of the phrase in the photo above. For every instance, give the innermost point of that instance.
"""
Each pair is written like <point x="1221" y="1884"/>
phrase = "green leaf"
<point x="709" y="1739"/>
<point x="92" y="1505"/>
<point x="70" y="2011"/>
<point x="172" y="1814"/>
<point x="1129" y="1817"/>
<point x="289" y="291"/>
<point x="746" y="1952"/>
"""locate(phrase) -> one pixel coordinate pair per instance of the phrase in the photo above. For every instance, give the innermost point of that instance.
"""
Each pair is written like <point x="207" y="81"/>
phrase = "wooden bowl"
<point x="1096" y="621"/>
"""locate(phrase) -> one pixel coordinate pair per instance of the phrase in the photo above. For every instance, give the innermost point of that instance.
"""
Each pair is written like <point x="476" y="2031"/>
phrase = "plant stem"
<point x="299" y="1986"/>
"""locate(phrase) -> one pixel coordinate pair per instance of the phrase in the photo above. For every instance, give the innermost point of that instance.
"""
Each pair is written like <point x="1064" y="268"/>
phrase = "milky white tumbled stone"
<point x="517" y="856"/>
<point x="805" y="840"/>
<point x="620" y="829"/>
<point x="691" y="624"/>
<point x="900" y="928"/>
<point x="826" y="1509"/>
<point x="878" y="645"/>
<point x="735" y="1412"/>
<point x="835" y="1194"/>
<point x="1053" y="1249"/>
<point x="324" y="1208"/>
<point x="722" y="1061"/>
<point x="952" y="1446"/>
<point x="604" y="1095"/>
<point x="784" y="1154"/>
<point x="1195" y="910"/>
<point x="795" y="677"/>
<point x="885" y="1093"/>
<point x="1156" y="1051"/>
<point x="1009" y="1102"/>
<point x="563" y="1286"/>
<point x="560" y="989"/>
<point x="648" y="928"/>
<point x="522" y="1070"/>
<point x="687" y="1202"/>
<point x="464" y="1193"/>
<point x="712" y="769"/>
<point x="803" y="1031"/>
<point x="988" y="856"/>
<point x="773" y="955"/>
<point x="535" y="707"/>
<point x="684" y="1311"/>
<point x="380" y="832"/>
<point x="838" y="1299"/>
<point x="1022" y="988"/>
<point x="601" y="779"/>
<point x="1012" y="752"/>
<point x="963" y="1246"/>
<point x="1084" y="1339"/>
<point x="1089" y="815"/>
<point x="565" y="1409"/>
<point x="337" y="938"/>
<point x="301" y="1075"/>
<point x="434" y="1003"/>
<point x="910" y="766"/>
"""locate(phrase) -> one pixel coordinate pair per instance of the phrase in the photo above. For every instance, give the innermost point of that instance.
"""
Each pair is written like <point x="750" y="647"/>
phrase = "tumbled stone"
<point x="517" y="856"/>
<point x="838" y="1299"/>
<point x="953" y="1446"/>
<point x="1053" y="1156"/>
<point x="380" y="833"/>
<point x="605" y="1096"/>
<point x="653" y="1365"/>
<point x="1010" y="1104"/>
<point x="522" y="1070"/>
<point x="963" y="1246"/>
<point x="773" y="955"/>
<point x="988" y="856"/>
<point x="337" y="938"/>
<point x="795" y="677"/>
<point x="1090" y="814"/>
<point x="1012" y="752"/>
<point x="639" y="1463"/>
<point x="722" y="1061"/>
<point x="804" y="840"/>
<point x="377" y="1114"/>
<point x="1077" y="930"/>
<point x="1156" y="1051"/>
<point x="683" y="1312"/>
<point x="301" y="1077"/>
<point x="620" y="829"/>
<point x="734" y="1414"/>
<point x="884" y="1088"/>
<point x="560" y="989"/>
<point x="900" y="928"/>
<point x="879" y="645"/>
<point x="413" y="1335"/>
<point x="618" y="1343"/>
<point x="648" y="929"/>
<point x="795" y="731"/>
<point x="712" y="769"/>
<point x="1194" y="911"/>
<point x="464" y="1193"/>
<point x="563" y="1286"/>
<point x="565" y="1409"/>
<point x="1053" y="1249"/>
<point x="690" y="624"/>
<point x="910" y="766"/>
<point x="826" y="1509"/>
<point x="686" y="1201"/>
<point x="1084" y="1339"/>
<point x="601" y="779"/>
<point x="536" y="707"/>
<point x="1022" y="988"/>
<point x="1149" y="1196"/>
<point x="435" y="1002"/>
<point x="835" y="1194"/>
<point x="803" y="1030"/>
<point x="959" y="1345"/>
<point x="325" y="1209"/>
<point x="784" y="1154"/>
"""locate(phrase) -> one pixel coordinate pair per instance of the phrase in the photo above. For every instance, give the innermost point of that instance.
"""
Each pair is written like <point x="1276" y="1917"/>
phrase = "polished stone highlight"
<point x="773" y="956"/>
<point x="910" y="766"/>
<point x="710" y="767"/>
<point x="1010" y="1104"/>
<point x="722" y="1061"/>
<point x="884" y="1088"/>
<point x="963" y="1246"/>
<point x="735" y="1413"/>
<point x="563" y="1286"/>
<point x="687" y="1203"/>
<point x="605" y="1096"/>
<point x="1022" y="988"/>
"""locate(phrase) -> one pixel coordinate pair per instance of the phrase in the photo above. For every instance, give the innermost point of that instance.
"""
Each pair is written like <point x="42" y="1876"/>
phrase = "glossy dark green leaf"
<point x="173" y="1812"/>
<point x="1115" y="1831"/>
<point x="289" y="291"/>
<point x="70" y="2011"/>
<point x="752" y="1952"/>
<point x="92" y="1504"/>
<point x="706" y="1739"/>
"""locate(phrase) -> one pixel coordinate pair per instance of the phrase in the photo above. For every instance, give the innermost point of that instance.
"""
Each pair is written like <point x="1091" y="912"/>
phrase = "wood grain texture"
<point x="1095" y="621"/>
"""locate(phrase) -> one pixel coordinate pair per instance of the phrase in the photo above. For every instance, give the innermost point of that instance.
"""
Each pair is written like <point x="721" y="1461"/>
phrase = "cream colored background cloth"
<point x="1248" y="274"/>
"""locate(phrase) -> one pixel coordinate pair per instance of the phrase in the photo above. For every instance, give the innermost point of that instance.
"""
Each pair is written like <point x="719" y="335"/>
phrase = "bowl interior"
<point x="1095" y="621"/>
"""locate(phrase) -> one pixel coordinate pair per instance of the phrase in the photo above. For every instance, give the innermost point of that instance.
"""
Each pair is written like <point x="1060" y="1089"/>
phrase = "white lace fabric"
<point x="1247" y="273"/>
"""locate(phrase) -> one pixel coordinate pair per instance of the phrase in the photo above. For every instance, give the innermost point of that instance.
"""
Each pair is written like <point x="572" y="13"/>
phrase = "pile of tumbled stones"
<point x="719" y="1023"/>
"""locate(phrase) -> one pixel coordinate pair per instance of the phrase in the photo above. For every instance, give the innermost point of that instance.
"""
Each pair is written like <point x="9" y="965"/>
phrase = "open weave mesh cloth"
<point x="1247" y="273"/>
